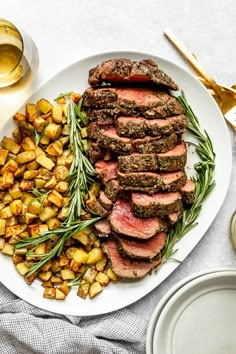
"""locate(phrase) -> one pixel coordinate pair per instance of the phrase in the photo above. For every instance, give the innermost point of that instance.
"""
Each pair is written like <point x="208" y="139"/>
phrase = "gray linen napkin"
<point x="25" y="329"/>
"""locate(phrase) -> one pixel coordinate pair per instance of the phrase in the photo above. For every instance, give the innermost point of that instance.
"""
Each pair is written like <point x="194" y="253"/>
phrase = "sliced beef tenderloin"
<point x="152" y="182"/>
<point x="106" y="202"/>
<point x="132" y="127"/>
<point x="94" y="130"/>
<point x="173" y="218"/>
<point x="188" y="192"/>
<point x="155" y="127"/>
<point x="95" y="152"/>
<point x="137" y="162"/>
<point x="125" y="267"/>
<point x="123" y="222"/>
<point x="141" y="249"/>
<point x="112" y="189"/>
<point x="101" y="116"/>
<point x="110" y="140"/>
<point x="149" y="145"/>
<point x="106" y="170"/>
<point x="97" y="208"/>
<point x="122" y="70"/>
<point x="159" y="204"/>
<point x="174" y="159"/>
<point x="133" y="101"/>
<point x="103" y="228"/>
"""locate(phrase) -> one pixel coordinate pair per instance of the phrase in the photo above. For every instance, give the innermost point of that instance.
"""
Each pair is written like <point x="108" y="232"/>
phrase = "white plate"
<point x="199" y="317"/>
<point x="164" y="300"/>
<point x="116" y="296"/>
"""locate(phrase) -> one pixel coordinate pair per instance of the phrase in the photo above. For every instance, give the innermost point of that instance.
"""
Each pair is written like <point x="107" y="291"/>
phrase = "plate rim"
<point x="120" y="54"/>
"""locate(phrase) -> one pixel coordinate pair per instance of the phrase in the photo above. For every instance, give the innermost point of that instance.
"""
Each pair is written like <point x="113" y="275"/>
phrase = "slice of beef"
<point x="125" y="267"/>
<point x="106" y="202"/>
<point x="106" y="170"/>
<point x="149" y="145"/>
<point x="188" y="192"/>
<point x="137" y="162"/>
<point x="103" y="228"/>
<point x="132" y="127"/>
<point x="173" y="218"/>
<point x="97" y="208"/>
<point x="146" y="206"/>
<point x="139" y="249"/>
<point x="133" y="101"/>
<point x="102" y="116"/>
<point x="173" y="160"/>
<point x="121" y="70"/>
<point x="112" y="189"/>
<point x="155" y="127"/>
<point x="110" y="140"/>
<point x="152" y="182"/>
<point x="94" y="130"/>
<point x="95" y="152"/>
<point x="138" y="127"/>
<point x="173" y="181"/>
<point x="123" y="222"/>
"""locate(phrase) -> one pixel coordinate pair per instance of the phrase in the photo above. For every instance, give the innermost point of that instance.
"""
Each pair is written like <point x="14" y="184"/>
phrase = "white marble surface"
<point x="65" y="31"/>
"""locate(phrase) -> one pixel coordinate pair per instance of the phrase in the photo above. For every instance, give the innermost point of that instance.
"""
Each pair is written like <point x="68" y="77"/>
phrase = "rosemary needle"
<point x="204" y="180"/>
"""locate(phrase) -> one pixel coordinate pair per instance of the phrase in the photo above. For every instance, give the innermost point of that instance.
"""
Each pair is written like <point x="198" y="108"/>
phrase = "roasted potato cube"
<point x="55" y="267"/>
<point x="17" y="135"/>
<point x="29" y="279"/>
<point x="41" y="249"/>
<point x="57" y="114"/>
<point x="83" y="289"/>
<point x="26" y="185"/>
<point x="3" y="156"/>
<point x="111" y="275"/>
<point x="102" y="278"/>
<point x="90" y="275"/>
<point x="80" y="256"/>
<point x="60" y="295"/>
<point x="64" y="287"/>
<point x="20" y="171"/>
<point x="75" y="97"/>
<point x="63" y="261"/>
<point x="56" y="280"/>
<point x="67" y="274"/>
<point x="22" y="268"/>
<point x="35" y="207"/>
<point x="43" y="228"/>
<point x="55" y="198"/>
<point x="95" y="255"/>
<point x="53" y="131"/>
<point x="44" y="140"/>
<point x="39" y="151"/>
<point x="45" y="276"/>
<point x="10" y="166"/>
<point x="7" y="198"/>
<point x="51" y="183"/>
<point x="31" y="112"/>
<point x="44" y="106"/>
<point x="29" y="217"/>
<point x="62" y="186"/>
<point x="63" y="213"/>
<point x="12" y="221"/>
<point x="49" y="293"/>
<point x="33" y="165"/>
<point x="46" y="214"/>
<point x="30" y="174"/>
<point x="15" y="191"/>
<point x="2" y="226"/>
<point x="39" y="124"/>
<point x="70" y="252"/>
<point x="55" y="149"/>
<point x="61" y="100"/>
<point x="6" y="212"/>
<point x="19" y="118"/>
<point x="45" y="162"/>
<point x="7" y="180"/>
<point x="12" y="230"/>
<point x="17" y="259"/>
<point x="83" y="132"/>
<point x="95" y="289"/>
<point x="21" y="251"/>
<point x="82" y="237"/>
<point x="25" y="157"/>
<point x="10" y="145"/>
<point x="39" y="183"/>
<point x="101" y="264"/>
<point x="8" y="249"/>
<point x="75" y="266"/>
<point x="47" y="284"/>
<point x="61" y="173"/>
<point x="28" y="144"/>
<point x="53" y="223"/>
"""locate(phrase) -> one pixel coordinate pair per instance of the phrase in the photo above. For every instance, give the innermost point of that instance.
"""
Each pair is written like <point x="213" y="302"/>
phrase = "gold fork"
<point x="224" y="96"/>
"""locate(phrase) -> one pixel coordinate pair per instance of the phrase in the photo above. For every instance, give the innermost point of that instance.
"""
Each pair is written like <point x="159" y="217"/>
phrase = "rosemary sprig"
<point x="57" y="237"/>
<point x="204" y="180"/>
<point x="35" y="134"/>
<point x="77" y="281"/>
<point x="81" y="173"/>
<point x="62" y="95"/>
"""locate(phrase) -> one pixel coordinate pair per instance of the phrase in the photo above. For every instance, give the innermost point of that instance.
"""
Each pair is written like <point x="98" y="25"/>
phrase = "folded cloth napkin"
<point x="25" y="329"/>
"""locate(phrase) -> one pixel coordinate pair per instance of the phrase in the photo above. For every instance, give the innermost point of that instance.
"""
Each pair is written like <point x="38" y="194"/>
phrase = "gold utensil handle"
<point x="190" y="57"/>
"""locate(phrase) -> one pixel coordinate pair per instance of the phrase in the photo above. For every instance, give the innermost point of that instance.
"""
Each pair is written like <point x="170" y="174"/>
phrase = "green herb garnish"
<point x="204" y="180"/>
<point x="62" y="95"/>
<point x="35" y="134"/>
